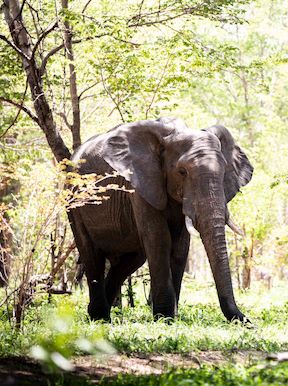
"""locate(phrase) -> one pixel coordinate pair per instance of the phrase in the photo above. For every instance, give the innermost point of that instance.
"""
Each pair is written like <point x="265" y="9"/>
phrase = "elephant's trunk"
<point x="209" y="212"/>
<point x="213" y="238"/>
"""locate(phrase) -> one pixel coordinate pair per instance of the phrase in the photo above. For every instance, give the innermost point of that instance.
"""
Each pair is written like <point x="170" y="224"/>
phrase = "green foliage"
<point x="210" y="332"/>
<point x="207" y="375"/>
<point x="56" y="332"/>
<point x="64" y="340"/>
<point x="11" y="73"/>
<point x="279" y="179"/>
<point x="129" y="59"/>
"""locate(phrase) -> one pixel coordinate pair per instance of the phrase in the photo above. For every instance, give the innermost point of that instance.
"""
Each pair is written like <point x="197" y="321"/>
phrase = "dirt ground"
<point x="24" y="371"/>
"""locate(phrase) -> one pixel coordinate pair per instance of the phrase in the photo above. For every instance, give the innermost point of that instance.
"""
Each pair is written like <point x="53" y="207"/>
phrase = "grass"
<point x="207" y="375"/>
<point x="63" y="326"/>
<point x="200" y="326"/>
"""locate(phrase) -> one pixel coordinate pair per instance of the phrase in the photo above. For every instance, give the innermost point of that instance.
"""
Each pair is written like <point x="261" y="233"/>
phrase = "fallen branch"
<point x="61" y="260"/>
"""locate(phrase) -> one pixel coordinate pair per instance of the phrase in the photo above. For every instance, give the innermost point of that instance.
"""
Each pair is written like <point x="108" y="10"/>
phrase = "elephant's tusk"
<point x="189" y="225"/>
<point x="234" y="227"/>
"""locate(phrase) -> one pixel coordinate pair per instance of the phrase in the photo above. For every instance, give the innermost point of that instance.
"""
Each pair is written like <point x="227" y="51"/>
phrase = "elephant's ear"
<point x="238" y="170"/>
<point x="134" y="151"/>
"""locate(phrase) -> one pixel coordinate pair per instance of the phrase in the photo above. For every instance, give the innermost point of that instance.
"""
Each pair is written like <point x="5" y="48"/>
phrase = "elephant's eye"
<point x="182" y="172"/>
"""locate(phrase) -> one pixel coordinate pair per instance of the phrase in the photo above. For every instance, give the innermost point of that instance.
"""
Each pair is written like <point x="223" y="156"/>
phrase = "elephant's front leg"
<point x="180" y="249"/>
<point x="155" y="237"/>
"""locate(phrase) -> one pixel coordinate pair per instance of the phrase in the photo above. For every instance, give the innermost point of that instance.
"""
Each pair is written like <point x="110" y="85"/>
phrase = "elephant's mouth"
<point x="235" y="228"/>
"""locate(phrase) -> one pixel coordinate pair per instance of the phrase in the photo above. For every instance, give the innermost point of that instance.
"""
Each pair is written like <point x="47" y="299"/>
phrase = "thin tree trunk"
<point x="247" y="256"/>
<point x="8" y="186"/>
<point x="130" y="293"/>
<point x="75" y="127"/>
<point x="237" y="262"/>
<point x="246" y="273"/>
<point x="5" y="250"/>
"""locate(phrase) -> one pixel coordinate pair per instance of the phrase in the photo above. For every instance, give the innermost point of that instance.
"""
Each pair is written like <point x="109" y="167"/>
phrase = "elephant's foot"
<point x="99" y="313"/>
<point x="243" y="319"/>
<point x="167" y="319"/>
<point x="232" y="313"/>
<point x="160" y="312"/>
<point x="164" y="301"/>
<point x="230" y="316"/>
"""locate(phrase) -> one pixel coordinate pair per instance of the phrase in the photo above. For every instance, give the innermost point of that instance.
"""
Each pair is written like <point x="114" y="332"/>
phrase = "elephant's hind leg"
<point x="98" y="307"/>
<point x="94" y="266"/>
<point x="119" y="272"/>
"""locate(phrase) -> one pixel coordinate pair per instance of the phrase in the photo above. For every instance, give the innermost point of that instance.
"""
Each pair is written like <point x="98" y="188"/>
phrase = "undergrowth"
<point x="200" y="325"/>
<point x="209" y="375"/>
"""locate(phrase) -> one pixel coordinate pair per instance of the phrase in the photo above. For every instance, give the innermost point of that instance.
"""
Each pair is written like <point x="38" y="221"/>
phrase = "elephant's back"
<point x="88" y="158"/>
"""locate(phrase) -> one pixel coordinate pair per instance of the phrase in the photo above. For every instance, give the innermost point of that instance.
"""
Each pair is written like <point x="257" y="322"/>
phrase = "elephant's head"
<point x="203" y="170"/>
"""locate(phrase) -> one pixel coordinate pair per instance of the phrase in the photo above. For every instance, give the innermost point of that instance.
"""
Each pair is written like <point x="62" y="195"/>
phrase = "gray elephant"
<point x="179" y="176"/>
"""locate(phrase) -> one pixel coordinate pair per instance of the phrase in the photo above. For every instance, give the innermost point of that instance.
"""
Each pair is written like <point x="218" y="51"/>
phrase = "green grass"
<point x="200" y="326"/>
<point x="264" y="375"/>
<point x="209" y="375"/>
<point x="59" y="326"/>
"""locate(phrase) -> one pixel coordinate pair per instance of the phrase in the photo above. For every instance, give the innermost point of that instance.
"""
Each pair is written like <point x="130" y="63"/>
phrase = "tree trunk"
<point x="247" y="256"/>
<point x="237" y="263"/>
<point x="5" y="250"/>
<point x="8" y="186"/>
<point x="75" y="127"/>
<point x="246" y="272"/>
<point x="18" y="31"/>
<point x="130" y="292"/>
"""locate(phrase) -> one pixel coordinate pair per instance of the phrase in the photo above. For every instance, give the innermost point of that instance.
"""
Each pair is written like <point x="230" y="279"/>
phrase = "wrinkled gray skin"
<point x="176" y="172"/>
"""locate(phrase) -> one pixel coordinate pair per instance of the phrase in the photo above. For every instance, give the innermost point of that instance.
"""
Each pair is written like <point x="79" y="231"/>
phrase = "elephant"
<point x="180" y="179"/>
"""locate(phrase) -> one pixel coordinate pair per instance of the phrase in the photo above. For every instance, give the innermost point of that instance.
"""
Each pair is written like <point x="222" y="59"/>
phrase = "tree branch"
<point x="61" y="46"/>
<point x="85" y="6"/>
<point x="120" y="100"/>
<point x="65" y="119"/>
<point x="20" y="108"/>
<point x="75" y="127"/>
<point x="157" y="87"/>
<point x="63" y="257"/>
<point x="161" y="16"/>
<point x="15" y="48"/>
<point x="22" y="6"/>
<point x="48" y="56"/>
<point x="43" y="36"/>
<point x="112" y="97"/>
<point x="154" y="22"/>
<point x="126" y="41"/>
<point x="87" y="89"/>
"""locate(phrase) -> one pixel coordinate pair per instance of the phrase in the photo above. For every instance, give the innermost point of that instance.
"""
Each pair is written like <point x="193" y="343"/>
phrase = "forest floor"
<point x="25" y="371"/>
